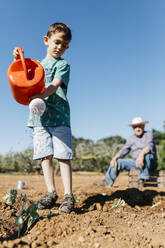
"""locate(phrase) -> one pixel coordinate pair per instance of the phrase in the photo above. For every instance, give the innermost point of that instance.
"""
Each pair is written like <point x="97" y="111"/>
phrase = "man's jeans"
<point x="150" y="163"/>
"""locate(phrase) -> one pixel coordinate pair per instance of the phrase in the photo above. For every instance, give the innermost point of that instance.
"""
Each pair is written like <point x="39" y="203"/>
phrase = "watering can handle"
<point x="19" y="49"/>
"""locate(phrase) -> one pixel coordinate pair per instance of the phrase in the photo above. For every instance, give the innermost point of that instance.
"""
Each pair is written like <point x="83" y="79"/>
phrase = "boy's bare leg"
<point x="66" y="174"/>
<point x="48" y="171"/>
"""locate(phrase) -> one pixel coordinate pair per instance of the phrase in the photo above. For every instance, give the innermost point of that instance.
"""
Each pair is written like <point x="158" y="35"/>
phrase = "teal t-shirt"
<point x="57" y="111"/>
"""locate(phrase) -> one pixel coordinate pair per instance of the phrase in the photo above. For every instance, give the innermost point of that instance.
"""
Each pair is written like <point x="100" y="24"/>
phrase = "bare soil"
<point x="93" y="223"/>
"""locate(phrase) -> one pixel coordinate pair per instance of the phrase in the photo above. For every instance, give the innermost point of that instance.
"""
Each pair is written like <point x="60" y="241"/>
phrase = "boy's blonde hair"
<point x="60" y="27"/>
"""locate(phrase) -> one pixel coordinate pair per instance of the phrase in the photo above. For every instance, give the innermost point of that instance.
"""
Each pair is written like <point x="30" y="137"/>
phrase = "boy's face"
<point x="56" y="45"/>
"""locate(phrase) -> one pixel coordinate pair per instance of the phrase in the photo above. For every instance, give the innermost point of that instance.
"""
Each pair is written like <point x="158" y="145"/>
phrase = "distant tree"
<point x="164" y="126"/>
<point x="28" y="164"/>
<point x="84" y="148"/>
<point x="88" y="155"/>
<point x="2" y="167"/>
<point x="85" y="145"/>
<point x="110" y="141"/>
<point x="7" y="162"/>
<point x="161" y="155"/>
<point x="95" y="156"/>
<point x="18" y="161"/>
<point x="101" y="149"/>
<point x="158" y="136"/>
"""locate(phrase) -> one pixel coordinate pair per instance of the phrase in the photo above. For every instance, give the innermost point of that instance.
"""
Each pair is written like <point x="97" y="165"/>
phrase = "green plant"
<point x="28" y="216"/>
<point x="76" y="198"/>
<point x="119" y="203"/>
<point x="10" y="196"/>
<point x="156" y="204"/>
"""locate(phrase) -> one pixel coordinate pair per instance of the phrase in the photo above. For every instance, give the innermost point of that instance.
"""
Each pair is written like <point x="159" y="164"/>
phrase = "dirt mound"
<point x="117" y="217"/>
<point x="7" y="222"/>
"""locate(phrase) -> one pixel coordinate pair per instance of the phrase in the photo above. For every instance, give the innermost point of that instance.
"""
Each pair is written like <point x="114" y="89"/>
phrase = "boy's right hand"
<point x="16" y="53"/>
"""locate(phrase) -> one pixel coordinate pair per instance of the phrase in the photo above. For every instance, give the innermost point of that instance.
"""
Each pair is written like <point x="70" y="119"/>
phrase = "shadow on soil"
<point x="132" y="197"/>
<point x="10" y="236"/>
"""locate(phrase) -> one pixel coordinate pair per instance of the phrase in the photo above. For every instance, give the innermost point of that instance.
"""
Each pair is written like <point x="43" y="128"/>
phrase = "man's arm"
<point x="147" y="149"/>
<point x="140" y="158"/>
<point x="113" y="162"/>
<point x="122" y="152"/>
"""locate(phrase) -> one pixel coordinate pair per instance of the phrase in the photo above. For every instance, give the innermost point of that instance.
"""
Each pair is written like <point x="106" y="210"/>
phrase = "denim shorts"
<point x="56" y="141"/>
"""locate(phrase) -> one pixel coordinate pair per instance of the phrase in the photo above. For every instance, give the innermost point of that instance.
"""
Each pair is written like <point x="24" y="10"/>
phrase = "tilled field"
<point x="95" y="222"/>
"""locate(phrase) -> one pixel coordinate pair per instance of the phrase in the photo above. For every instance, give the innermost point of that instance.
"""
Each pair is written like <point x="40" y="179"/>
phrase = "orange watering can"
<point x="26" y="78"/>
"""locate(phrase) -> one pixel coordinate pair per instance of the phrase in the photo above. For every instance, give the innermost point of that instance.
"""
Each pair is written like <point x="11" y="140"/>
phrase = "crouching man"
<point x="144" y="157"/>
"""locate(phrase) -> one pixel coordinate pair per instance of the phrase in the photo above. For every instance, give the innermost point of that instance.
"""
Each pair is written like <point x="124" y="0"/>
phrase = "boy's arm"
<point x="48" y="91"/>
<point x="61" y="77"/>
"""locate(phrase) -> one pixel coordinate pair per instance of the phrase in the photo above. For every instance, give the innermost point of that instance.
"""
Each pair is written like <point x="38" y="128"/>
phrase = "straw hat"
<point x="137" y="121"/>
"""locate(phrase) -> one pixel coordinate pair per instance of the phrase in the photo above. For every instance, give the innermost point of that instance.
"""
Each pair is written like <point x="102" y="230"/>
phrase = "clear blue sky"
<point x="117" y="59"/>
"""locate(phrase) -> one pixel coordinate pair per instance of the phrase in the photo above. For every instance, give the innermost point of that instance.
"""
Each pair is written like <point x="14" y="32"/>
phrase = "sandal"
<point x="67" y="204"/>
<point x="48" y="201"/>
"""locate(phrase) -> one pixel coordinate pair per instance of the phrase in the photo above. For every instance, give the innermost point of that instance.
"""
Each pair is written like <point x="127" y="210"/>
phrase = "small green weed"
<point x="156" y="204"/>
<point x="76" y="198"/>
<point x="119" y="203"/>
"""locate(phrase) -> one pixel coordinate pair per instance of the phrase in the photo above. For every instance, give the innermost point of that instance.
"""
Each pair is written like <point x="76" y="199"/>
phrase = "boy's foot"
<point x="67" y="204"/>
<point x="102" y="183"/>
<point x="48" y="201"/>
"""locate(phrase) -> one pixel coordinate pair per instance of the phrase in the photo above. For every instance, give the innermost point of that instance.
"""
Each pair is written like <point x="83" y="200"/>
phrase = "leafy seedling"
<point x="119" y="203"/>
<point x="27" y="216"/>
<point x="10" y="197"/>
<point x="156" y="204"/>
<point x="104" y="194"/>
<point x="76" y="198"/>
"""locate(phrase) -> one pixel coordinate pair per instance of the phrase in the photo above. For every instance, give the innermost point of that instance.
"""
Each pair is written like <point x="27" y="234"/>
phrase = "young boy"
<point x="51" y="131"/>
